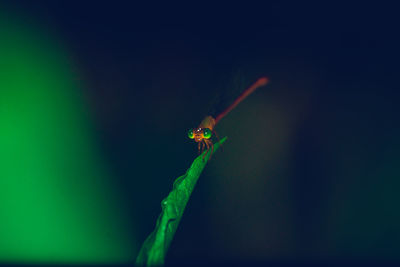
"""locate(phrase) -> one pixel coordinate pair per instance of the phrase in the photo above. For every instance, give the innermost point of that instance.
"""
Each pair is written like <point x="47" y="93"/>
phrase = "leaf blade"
<point x="155" y="247"/>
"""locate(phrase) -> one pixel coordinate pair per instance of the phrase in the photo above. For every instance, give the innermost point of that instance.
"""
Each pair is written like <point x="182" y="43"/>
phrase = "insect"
<point x="203" y="133"/>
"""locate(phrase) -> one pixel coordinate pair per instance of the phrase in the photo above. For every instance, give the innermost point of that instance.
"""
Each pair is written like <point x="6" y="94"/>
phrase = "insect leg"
<point x="212" y="149"/>
<point x="210" y="143"/>
<point x="208" y="148"/>
<point x="216" y="135"/>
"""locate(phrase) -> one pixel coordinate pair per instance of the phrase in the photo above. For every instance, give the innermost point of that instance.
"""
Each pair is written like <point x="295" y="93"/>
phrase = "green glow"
<point x="155" y="247"/>
<point x="207" y="133"/>
<point x="56" y="201"/>
<point x="191" y="134"/>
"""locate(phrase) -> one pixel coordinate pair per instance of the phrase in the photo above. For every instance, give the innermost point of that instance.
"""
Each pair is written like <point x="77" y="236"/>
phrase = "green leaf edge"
<point x="155" y="247"/>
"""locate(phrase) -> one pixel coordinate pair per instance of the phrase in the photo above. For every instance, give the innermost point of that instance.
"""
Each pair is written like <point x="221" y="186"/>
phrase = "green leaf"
<point x="155" y="247"/>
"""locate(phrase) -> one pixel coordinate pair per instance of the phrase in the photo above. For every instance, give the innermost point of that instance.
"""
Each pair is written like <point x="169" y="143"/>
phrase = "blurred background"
<point x="96" y="101"/>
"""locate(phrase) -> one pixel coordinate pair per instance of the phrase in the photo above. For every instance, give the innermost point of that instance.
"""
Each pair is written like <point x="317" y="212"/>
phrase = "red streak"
<point x="260" y="82"/>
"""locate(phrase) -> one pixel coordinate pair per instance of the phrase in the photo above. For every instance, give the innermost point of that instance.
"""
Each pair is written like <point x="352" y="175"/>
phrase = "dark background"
<point x="310" y="170"/>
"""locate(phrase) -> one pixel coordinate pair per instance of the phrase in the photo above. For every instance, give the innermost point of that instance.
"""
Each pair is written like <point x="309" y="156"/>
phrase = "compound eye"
<point x="190" y="134"/>
<point x="207" y="133"/>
